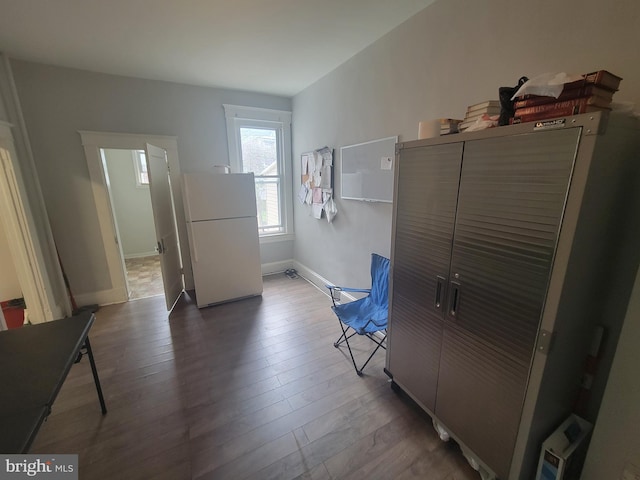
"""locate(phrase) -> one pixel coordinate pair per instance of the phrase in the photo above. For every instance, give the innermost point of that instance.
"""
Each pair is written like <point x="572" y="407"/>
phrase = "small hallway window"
<point x="140" y="166"/>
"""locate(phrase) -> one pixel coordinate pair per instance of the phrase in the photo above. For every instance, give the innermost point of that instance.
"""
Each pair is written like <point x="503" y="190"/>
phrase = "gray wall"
<point x="132" y="205"/>
<point x="3" y="113"/>
<point x="453" y="54"/>
<point x="57" y="102"/>
<point x="616" y="440"/>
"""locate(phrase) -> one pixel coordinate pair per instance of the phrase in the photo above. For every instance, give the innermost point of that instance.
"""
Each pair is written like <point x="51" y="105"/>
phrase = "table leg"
<point x="87" y="344"/>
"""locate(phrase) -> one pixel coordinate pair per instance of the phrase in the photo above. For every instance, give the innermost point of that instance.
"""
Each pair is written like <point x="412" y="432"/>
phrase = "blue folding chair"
<point x="368" y="315"/>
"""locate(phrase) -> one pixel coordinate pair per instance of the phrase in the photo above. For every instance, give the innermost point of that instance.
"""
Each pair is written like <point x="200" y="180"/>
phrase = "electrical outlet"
<point x="631" y="472"/>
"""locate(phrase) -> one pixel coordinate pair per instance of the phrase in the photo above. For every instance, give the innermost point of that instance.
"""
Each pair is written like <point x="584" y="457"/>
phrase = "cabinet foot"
<point x="484" y="475"/>
<point x="442" y="433"/>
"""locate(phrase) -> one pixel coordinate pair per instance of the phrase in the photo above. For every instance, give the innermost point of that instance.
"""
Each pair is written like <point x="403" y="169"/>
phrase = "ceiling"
<point x="271" y="46"/>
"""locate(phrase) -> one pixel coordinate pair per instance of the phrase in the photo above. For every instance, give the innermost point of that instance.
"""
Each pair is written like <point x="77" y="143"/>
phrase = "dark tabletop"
<point x="19" y="429"/>
<point x="35" y="361"/>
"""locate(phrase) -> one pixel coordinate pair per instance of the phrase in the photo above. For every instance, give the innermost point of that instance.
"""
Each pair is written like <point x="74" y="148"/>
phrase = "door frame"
<point x="18" y="220"/>
<point x="3" y="323"/>
<point x="92" y="143"/>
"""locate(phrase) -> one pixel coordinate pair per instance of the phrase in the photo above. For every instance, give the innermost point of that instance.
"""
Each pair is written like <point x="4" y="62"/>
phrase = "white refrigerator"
<point x="222" y="228"/>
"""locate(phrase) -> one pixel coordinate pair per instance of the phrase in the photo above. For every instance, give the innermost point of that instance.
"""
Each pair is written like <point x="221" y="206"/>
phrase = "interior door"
<point x="510" y="207"/>
<point x="164" y="219"/>
<point x="426" y="197"/>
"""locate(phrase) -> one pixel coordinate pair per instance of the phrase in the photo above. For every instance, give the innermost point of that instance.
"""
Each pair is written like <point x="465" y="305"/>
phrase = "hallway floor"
<point x="144" y="277"/>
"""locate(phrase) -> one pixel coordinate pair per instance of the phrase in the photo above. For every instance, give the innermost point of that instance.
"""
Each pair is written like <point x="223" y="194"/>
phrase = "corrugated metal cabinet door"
<point x="427" y="191"/>
<point x="511" y="201"/>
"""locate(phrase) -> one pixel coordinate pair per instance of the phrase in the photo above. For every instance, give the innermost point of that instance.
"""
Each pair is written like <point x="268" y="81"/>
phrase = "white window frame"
<point x="137" y="164"/>
<point x="238" y="116"/>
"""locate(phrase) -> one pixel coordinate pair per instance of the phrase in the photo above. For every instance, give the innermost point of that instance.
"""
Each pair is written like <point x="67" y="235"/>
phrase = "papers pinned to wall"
<point x="302" y="193"/>
<point x="316" y="187"/>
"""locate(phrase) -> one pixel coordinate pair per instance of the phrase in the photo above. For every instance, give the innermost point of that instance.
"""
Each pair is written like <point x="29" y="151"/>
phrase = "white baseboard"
<point x="152" y="253"/>
<point x="103" y="297"/>
<point x="318" y="280"/>
<point x="58" y="311"/>
<point x="276" y="267"/>
<point x="108" y="297"/>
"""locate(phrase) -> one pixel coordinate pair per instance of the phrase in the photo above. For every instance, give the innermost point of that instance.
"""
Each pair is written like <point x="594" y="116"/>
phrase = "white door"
<point x="163" y="216"/>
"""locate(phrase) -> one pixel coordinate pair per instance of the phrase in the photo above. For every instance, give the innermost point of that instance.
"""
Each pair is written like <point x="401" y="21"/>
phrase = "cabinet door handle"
<point x="454" y="299"/>
<point x="440" y="282"/>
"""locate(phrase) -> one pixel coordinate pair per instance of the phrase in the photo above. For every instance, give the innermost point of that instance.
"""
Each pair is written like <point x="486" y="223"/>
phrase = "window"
<point x="140" y="166"/>
<point x="260" y="142"/>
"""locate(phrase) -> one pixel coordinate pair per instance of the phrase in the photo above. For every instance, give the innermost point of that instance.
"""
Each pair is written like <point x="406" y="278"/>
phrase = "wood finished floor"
<point x="246" y="390"/>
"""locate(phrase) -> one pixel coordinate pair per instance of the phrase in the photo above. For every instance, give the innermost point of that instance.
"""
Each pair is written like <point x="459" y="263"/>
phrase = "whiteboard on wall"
<point x="366" y="170"/>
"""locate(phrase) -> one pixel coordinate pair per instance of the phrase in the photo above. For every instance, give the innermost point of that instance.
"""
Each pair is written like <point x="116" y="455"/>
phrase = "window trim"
<point x="241" y="116"/>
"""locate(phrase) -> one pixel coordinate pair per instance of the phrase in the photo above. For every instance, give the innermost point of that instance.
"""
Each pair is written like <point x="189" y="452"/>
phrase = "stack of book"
<point x="474" y="112"/>
<point x="449" y="125"/>
<point x="593" y="93"/>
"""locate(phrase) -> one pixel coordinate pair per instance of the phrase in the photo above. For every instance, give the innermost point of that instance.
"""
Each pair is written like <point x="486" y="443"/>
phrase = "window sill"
<point x="277" y="237"/>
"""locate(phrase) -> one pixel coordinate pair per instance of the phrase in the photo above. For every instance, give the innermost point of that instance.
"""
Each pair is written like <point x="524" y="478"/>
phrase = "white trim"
<point x="127" y="141"/>
<point x="276" y="267"/>
<point x="93" y="142"/>
<point x="320" y="283"/>
<point x="3" y="323"/>
<point x="255" y="113"/>
<point x="278" y="237"/>
<point x="316" y="279"/>
<point x="102" y="297"/>
<point x="152" y="253"/>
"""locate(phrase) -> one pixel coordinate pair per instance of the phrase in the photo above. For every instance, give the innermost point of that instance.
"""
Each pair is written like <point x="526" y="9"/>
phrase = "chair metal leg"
<point x="344" y="338"/>
<point x="379" y="344"/>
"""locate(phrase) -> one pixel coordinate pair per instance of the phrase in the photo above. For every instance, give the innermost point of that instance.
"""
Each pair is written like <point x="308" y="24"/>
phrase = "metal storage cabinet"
<point x="426" y="208"/>
<point x="499" y="244"/>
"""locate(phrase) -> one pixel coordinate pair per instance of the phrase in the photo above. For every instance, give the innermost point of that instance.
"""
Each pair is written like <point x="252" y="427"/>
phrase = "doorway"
<point x="27" y="247"/>
<point x="9" y="283"/>
<point x="166" y="196"/>
<point x="128" y="187"/>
